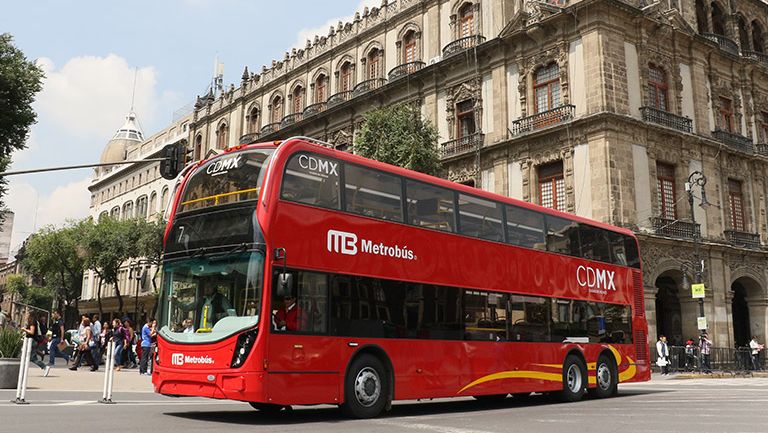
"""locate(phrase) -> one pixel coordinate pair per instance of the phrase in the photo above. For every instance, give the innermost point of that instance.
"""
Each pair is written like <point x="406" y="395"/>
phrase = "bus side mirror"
<point x="285" y="282"/>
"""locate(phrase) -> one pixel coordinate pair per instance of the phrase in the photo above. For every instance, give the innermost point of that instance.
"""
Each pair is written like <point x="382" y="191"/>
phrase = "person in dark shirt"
<point x="57" y="336"/>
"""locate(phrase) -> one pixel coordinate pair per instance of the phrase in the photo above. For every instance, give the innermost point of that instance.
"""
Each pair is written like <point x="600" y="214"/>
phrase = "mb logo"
<point x="342" y="242"/>
<point x="177" y="359"/>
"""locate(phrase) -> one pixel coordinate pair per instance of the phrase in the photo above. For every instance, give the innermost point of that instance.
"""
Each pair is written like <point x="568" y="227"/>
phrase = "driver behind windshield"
<point x="213" y="305"/>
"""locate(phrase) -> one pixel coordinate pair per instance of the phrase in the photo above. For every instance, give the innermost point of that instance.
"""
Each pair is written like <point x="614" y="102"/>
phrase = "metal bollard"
<point x="106" y="396"/>
<point x="21" y="385"/>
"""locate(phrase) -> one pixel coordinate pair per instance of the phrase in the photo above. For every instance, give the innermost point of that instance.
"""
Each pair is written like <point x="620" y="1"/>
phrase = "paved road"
<point x="703" y="405"/>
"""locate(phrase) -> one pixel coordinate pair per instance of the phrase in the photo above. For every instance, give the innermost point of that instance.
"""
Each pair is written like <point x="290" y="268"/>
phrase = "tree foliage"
<point x="38" y="296"/>
<point x="398" y="135"/>
<point x="20" y="80"/>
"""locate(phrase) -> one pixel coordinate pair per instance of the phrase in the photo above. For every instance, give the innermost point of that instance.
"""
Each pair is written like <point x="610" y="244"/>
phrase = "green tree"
<point x="40" y="297"/>
<point x="20" y="80"/>
<point x="56" y="257"/>
<point x="398" y="135"/>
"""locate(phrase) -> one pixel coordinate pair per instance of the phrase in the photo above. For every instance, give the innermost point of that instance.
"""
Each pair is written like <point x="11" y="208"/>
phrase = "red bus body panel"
<point x="310" y="369"/>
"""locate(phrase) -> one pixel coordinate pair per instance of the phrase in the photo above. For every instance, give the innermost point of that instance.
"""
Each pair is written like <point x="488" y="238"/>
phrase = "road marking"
<point x="426" y="427"/>
<point x="77" y="403"/>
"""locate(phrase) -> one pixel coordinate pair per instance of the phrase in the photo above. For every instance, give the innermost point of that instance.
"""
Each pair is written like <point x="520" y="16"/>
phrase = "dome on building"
<point x="128" y="134"/>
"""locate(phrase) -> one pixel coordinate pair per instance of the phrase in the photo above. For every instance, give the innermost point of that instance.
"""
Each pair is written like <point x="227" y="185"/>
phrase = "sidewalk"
<point x="61" y="379"/>
<point x="713" y="375"/>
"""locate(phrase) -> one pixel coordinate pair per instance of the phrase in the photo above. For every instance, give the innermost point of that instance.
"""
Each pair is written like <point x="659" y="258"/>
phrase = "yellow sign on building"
<point x="697" y="290"/>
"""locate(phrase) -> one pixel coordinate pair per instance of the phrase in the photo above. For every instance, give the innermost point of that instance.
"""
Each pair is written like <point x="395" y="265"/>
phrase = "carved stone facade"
<point x="609" y="145"/>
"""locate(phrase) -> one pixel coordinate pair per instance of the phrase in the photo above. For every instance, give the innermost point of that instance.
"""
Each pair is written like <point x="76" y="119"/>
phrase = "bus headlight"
<point x="243" y="348"/>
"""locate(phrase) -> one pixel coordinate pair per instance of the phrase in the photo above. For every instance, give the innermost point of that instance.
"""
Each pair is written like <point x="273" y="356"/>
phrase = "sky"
<point x="91" y="51"/>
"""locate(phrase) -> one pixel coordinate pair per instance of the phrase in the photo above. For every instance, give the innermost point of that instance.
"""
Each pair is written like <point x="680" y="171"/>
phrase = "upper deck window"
<point x="430" y="206"/>
<point x="312" y="179"/>
<point x="373" y="193"/>
<point x="232" y="178"/>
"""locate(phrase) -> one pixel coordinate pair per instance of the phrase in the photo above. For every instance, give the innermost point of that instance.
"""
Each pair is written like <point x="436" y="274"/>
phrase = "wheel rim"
<point x="574" y="378"/>
<point x="604" y="377"/>
<point x="367" y="387"/>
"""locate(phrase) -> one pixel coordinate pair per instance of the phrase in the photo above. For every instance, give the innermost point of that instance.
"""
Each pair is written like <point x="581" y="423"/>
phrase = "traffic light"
<point x="173" y="160"/>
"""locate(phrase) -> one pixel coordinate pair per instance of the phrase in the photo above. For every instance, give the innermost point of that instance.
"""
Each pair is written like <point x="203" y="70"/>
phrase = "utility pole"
<point x="697" y="178"/>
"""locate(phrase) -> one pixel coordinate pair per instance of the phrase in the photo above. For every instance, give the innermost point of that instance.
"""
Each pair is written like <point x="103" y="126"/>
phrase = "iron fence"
<point x="689" y="359"/>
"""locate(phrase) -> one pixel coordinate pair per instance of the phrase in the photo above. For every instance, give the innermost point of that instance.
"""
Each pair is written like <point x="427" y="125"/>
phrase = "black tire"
<point x="267" y="408"/>
<point x="492" y="398"/>
<point x="574" y="379"/>
<point x="607" y="378"/>
<point x="366" y="388"/>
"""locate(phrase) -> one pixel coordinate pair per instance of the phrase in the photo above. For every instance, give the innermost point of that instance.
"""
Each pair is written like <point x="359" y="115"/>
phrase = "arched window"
<point x="277" y="109"/>
<point x="701" y="17"/>
<point x="127" y="210"/>
<point x="153" y="203"/>
<point x="115" y="212"/>
<point x="222" y="136"/>
<point x="298" y="99"/>
<point x="103" y="215"/>
<point x="547" y="88"/>
<point x="465" y="118"/>
<point x="345" y="77"/>
<point x="321" y="90"/>
<point x="466" y="20"/>
<point x="374" y="63"/>
<point x="252" y="119"/>
<point x="164" y="199"/>
<point x="409" y="47"/>
<point x="141" y="207"/>
<point x="198" y="147"/>
<point x="657" y="88"/>
<point x="757" y="38"/>
<point x="743" y="34"/>
<point x="718" y="20"/>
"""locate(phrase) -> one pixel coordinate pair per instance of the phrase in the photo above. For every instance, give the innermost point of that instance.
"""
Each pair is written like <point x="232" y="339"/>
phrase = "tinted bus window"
<point x="485" y="316"/>
<point x="480" y="218"/>
<point x="529" y="318"/>
<point x="224" y="180"/>
<point x="633" y="255"/>
<point x="525" y="228"/>
<point x="594" y="243"/>
<point x="373" y="193"/>
<point x="597" y="322"/>
<point x="312" y="179"/>
<point x="430" y="206"/>
<point x="618" y="248"/>
<point x="562" y="236"/>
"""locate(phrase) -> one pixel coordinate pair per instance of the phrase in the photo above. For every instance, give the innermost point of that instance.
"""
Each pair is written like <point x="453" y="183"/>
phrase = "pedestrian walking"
<point x="705" y="346"/>
<point x="147" y="332"/>
<point x="120" y="338"/>
<point x="85" y="347"/>
<point x="756" y="348"/>
<point x="690" y="354"/>
<point x="96" y="328"/>
<point x="662" y="353"/>
<point x="57" y="340"/>
<point x="34" y="332"/>
<point x="129" y="355"/>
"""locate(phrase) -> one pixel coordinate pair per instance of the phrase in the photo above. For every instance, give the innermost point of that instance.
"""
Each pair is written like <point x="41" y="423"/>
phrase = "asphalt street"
<point x="662" y="405"/>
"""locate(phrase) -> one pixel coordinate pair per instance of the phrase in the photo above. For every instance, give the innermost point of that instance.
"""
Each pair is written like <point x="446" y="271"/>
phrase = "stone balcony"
<point x="555" y="116"/>
<point x="461" y="45"/>
<point x="368" y="85"/>
<point x="249" y="138"/>
<point x="725" y="44"/>
<point x="313" y="109"/>
<point x="405" y="69"/>
<point x="742" y="239"/>
<point x="461" y="146"/>
<point x="291" y="119"/>
<point x="675" y="228"/>
<point x="666" y="119"/>
<point x="270" y="128"/>
<point x="734" y="141"/>
<point x="756" y="56"/>
<point x="338" y="98"/>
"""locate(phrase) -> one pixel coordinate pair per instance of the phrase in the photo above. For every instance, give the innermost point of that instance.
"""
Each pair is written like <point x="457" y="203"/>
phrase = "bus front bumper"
<point x="219" y="384"/>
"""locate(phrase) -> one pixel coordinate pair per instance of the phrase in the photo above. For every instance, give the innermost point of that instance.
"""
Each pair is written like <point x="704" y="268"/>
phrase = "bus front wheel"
<point x="574" y="379"/>
<point x="607" y="378"/>
<point x="366" y="388"/>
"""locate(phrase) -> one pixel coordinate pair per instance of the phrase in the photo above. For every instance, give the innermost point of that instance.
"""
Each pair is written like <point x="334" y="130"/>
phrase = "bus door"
<point x="304" y="362"/>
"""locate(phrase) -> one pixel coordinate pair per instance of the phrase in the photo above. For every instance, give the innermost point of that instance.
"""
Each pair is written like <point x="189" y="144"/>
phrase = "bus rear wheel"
<point x="607" y="378"/>
<point x="267" y="408"/>
<point x="574" y="379"/>
<point x="366" y="388"/>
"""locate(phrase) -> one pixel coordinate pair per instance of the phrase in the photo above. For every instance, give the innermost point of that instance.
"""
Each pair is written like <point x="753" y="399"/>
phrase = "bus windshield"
<point x="200" y="291"/>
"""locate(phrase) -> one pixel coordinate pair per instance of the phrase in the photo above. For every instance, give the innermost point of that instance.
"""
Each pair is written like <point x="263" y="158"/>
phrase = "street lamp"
<point x="697" y="178"/>
<point x="138" y="275"/>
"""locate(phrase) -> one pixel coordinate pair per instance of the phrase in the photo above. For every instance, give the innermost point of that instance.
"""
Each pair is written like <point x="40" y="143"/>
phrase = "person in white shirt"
<point x="188" y="327"/>
<point x="756" y="348"/>
<point x="662" y="352"/>
<point x="96" y="328"/>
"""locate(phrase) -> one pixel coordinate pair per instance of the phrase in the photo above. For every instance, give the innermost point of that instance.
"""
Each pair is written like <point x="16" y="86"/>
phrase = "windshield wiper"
<point x="237" y="249"/>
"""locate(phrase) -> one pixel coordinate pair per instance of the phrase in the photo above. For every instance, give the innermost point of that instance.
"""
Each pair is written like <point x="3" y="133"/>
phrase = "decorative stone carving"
<point x="468" y="90"/>
<point x="528" y="66"/>
<point x="671" y="67"/>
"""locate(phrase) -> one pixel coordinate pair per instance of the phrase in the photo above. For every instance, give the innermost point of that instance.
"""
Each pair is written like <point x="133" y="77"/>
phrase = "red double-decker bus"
<point x="295" y="274"/>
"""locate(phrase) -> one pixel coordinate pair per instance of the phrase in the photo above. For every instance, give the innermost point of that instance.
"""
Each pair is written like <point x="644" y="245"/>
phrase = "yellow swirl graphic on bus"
<point x="625" y="375"/>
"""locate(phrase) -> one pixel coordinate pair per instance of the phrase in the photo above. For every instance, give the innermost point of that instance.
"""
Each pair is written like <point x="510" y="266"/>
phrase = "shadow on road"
<point x="327" y="414"/>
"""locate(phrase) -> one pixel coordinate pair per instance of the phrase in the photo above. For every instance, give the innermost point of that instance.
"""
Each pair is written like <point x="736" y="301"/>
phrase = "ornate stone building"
<point x="130" y="191"/>
<point x="602" y="108"/>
